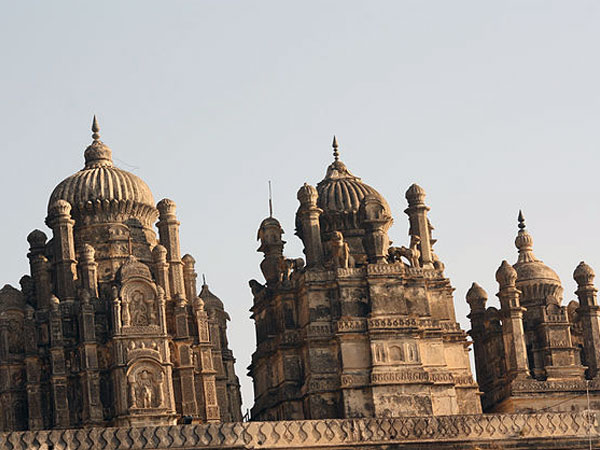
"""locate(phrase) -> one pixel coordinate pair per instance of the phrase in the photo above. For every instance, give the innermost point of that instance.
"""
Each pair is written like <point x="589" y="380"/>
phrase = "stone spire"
<point x="97" y="154"/>
<point x="524" y="242"/>
<point x="336" y="154"/>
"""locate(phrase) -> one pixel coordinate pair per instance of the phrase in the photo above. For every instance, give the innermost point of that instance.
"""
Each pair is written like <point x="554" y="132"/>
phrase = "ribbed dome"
<point x="535" y="280"/>
<point x="340" y="194"/>
<point x="102" y="191"/>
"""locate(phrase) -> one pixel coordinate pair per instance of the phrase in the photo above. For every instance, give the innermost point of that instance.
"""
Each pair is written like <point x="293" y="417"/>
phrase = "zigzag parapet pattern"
<point x="515" y="431"/>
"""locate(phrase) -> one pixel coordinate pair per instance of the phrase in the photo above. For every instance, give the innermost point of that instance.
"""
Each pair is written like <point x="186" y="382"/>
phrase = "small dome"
<point x="102" y="191"/>
<point x="584" y="274"/>
<point x="340" y="196"/>
<point x="415" y="194"/>
<point x="476" y="294"/>
<point x="37" y="238"/>
<point x="537" y="282"/>
<point x="211" y="301"/>
<point x="341" y="192"/>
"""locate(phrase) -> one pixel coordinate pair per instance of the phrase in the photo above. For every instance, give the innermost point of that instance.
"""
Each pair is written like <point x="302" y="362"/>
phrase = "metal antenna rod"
<point x="270" y="200"/>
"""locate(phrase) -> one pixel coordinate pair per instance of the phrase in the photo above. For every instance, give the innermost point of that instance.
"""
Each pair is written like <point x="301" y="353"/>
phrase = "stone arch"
<point x="396" y="353"/>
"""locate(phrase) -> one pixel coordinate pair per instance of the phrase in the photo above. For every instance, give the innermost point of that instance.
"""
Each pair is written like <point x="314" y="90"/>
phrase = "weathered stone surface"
<point x="115" y="331"/>
<point x="488" y="431"/>
<point x="374" y="330"/>
<point x="535" y="354"/>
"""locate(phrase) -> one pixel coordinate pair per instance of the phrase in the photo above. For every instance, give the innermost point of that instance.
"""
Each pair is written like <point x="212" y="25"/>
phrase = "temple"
<point x="534" y="354"/>
<point x="109" y="329"/>
<point x="109" y="344"/>
<point x="359" y="329"/>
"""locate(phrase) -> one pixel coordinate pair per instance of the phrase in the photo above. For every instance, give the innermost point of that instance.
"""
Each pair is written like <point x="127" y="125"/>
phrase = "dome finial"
<point x="521" y="220"/>
<point x="203" y="280"/>
<point x="524" y="242"/>
<point x="336" y="154"/>
<point x="95" y="129"/>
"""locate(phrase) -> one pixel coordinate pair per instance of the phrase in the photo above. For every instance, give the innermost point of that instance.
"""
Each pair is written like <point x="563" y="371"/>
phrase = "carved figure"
<point x="125" y="315"/>
<point x="142" y="309"/>
<point x="412" y="254"/>
<point x="340" y="252"/>
<point x="146" y="397"/>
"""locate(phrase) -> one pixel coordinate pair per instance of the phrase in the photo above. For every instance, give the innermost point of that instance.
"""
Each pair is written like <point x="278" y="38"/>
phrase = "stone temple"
<point x="109" y="329"/>
<point x="109" y="344"/>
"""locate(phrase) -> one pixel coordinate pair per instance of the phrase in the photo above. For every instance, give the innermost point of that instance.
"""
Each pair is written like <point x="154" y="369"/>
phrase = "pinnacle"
<point x="336" y="154"/>
<point x="95" y="128"/>
<point x="521" y="220"/>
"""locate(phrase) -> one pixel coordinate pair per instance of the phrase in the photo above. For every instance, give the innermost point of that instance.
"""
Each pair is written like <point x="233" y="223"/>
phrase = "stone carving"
<point x="356" y="314"/>
<point x="340" y="252"/>
<point x="139" y="304"/>
<point x="412" y="254"/>
<point x="146" y="387"/>
<point x="99" y="298"/>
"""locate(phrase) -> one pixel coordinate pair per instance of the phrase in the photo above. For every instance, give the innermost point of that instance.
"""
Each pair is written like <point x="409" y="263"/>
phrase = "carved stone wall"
<point x="115" y="334"/>
<point x="364" y="329"/>
<point x="470" y="432"/>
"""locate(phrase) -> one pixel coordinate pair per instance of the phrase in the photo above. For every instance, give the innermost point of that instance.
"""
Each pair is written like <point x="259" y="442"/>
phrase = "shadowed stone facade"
<point x="108" y="330"/>
<point x="362" y="329"/>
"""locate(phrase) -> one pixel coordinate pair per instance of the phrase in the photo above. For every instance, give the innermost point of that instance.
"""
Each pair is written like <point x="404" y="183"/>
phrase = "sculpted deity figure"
<point x="141" y="309"/>
<point x="146" y="397"/>
<point x="340" y="252"/>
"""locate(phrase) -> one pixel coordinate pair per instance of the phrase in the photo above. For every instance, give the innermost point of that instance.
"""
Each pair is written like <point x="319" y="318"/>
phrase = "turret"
<point x="189" y="276"/>
<point x="376" y="220"/>
<point x="38" y="264"/>
<point x="477" y="298"/>
<point x="512" y="322"/>
<point x="419" y="224"/>
<point x="59" y="219"/>
<point x="271" y="244"/>
<point x="308" y="227"/>
<point x="168" y="228"/>
<point x="589" y="312"/>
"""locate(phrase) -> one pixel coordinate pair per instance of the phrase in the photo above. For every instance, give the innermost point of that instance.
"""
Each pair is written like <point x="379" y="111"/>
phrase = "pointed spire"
<point x="203" y="280"/>
<point x="336" y="154"/>
<point x="521" y="220"/>
<point x="270" y="200"/>
<point x="95" y="129"/>
<point x="524" y="242"/>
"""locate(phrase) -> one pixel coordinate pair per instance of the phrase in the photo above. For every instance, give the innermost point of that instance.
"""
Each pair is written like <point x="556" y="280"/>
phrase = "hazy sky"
<point x="490" y="106"/>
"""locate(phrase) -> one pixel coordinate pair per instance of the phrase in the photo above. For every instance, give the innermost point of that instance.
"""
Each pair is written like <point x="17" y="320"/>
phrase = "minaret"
<point x="512" y="322"/>
<point x="419" y="224"/>
<point x="310" y="230"/>
<point x="59" y="219"/>
<point x="590" y="316"/>
<point x="477" y="298"/>
<point x="271" y="244"/>
<point x="38" y="264"/>
<point x="168" y="228"/>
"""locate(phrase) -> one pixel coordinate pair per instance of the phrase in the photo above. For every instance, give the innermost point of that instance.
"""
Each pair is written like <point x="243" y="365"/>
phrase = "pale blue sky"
<point x="490" y="106"/>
